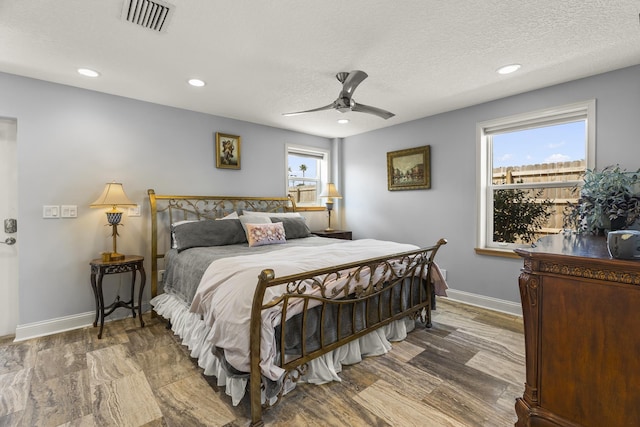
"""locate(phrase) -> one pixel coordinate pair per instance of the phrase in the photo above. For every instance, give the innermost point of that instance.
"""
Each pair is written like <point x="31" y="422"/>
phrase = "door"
<point x="8" y="210"/>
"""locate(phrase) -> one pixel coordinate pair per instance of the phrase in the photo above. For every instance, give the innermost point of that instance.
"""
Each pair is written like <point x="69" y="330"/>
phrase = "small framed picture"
<point x="409" y="169"/>
<point x="227" y="151"/>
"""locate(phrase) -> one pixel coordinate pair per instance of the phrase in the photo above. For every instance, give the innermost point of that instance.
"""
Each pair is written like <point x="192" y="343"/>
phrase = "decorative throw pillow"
<point x="209" y="233"/>
<point x="294" y="228"/>
<point x="265" y="234"/>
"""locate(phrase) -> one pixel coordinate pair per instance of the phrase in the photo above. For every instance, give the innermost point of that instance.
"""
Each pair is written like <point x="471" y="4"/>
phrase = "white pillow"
<point x="232" y="215"/>
<point x="270" y="214"/>
<point x="253" y="219"/>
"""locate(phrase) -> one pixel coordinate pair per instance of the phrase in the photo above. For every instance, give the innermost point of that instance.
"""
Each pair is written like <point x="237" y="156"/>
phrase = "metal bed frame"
<point x="366" y="306"/>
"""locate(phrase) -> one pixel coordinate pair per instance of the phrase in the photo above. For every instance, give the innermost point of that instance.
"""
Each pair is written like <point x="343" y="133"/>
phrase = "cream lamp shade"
<point x="330" y="193"/>
<point x="112" y="197"/>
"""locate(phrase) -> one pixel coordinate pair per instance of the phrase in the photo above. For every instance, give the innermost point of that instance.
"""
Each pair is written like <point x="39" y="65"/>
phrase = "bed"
<point x="263" y="304"/>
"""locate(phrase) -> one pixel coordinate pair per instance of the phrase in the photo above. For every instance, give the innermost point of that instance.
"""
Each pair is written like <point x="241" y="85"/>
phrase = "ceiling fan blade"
<point x="361" y="108"/>
<point x="326" y="107"/>
<point x="351" y="83"/>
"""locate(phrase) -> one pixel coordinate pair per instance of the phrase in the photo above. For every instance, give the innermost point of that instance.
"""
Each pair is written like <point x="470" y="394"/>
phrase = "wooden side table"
<point x="101" y="268"/>
<point x="334" y="234"/>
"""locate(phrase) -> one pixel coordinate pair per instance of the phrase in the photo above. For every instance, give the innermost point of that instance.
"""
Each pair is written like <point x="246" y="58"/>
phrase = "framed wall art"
<point x="409" y="169"/>
<point x="227" y="151"/>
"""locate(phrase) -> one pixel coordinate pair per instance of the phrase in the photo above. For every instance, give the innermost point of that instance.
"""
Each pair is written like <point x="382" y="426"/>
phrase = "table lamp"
<point x="112" y="197"/>
<point x="330" y="193"/>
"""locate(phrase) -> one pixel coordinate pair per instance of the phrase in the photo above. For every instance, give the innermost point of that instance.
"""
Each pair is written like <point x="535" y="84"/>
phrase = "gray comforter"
<point x="184" y="270"/>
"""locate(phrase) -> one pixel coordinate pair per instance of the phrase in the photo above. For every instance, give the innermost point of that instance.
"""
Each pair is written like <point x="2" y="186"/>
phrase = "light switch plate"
<point x="50" y="211"/>
<point x="69" y="211"/>
<point x="134" y="211"/>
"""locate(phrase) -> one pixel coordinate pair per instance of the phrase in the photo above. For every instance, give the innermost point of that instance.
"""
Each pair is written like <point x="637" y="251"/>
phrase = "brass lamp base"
<point x="114" y="256"/>
<point x="114" y="221"/>
<point x="329" y="209"/>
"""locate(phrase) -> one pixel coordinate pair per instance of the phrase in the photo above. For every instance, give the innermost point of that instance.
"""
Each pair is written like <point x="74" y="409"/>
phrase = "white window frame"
<point x="585" y="110"/>
<point x="323" y="173"/>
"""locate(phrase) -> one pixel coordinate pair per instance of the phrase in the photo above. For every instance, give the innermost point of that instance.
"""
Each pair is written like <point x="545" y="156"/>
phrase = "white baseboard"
<point x="485" y="302"/>
<point x="66" y="323"/>
<point x="81" y="320"/>
<point x="53" y="326"/>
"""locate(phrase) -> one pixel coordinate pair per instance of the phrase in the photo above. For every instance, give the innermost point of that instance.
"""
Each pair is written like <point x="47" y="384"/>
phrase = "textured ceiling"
<point x="264" y="58"/>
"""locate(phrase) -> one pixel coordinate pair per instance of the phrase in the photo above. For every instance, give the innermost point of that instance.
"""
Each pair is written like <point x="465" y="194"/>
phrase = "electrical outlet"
<point x="68" y="211"/>
<point x="50" y="211"/>
<point x="161" y="276"/>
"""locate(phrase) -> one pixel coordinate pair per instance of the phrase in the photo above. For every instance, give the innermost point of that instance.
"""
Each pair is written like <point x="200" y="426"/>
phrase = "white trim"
<point x="82" y="320"/>
<point x="54" y="326"/>
<point x="321" y="154"/>
<point x="482" y="301"/>
<point x="67" y="323"/>
<point x="585" y="110"/>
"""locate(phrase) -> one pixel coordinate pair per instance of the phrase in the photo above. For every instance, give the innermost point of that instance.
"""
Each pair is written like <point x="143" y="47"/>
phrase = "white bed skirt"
<point x="194" y="334"/>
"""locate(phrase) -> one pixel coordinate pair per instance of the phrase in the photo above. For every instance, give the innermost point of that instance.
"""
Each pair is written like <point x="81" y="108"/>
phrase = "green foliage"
<point x="606" y="196"/>
<point x="518" y="215"/>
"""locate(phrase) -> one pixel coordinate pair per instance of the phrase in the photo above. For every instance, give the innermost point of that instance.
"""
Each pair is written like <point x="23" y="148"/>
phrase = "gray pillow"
<point x="209" y="233"/>
<point x="294" y="228"/>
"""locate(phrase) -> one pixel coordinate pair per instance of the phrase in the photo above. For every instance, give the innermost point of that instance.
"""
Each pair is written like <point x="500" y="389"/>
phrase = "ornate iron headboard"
<point x="167" y="209"/>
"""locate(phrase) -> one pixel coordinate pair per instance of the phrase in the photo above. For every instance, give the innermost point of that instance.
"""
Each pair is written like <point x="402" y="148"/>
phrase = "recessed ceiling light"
<point x="343" y="121"/>
<point x="196" y="82"/>
<point x="87" y="72"/>
<point x="508" y="69"/>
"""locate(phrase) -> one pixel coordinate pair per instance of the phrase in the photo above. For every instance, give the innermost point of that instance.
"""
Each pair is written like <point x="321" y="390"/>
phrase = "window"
<point x="307" y="174"/>
<point x="529" y="167"/>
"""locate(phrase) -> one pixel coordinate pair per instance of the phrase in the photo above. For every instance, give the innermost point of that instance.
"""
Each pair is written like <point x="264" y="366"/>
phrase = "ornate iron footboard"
<point x="394" y="287"/>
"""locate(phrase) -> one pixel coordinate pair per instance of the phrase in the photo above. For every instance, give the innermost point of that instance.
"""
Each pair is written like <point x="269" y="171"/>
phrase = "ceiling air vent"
<point x="153" y="15"/>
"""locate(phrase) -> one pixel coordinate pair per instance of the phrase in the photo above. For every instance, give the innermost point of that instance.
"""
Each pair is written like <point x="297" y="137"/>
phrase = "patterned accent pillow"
<point x="265" y="234"/>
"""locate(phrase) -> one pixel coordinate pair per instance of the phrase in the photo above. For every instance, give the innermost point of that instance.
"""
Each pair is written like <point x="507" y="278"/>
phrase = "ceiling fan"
<point x="344" y="103"/>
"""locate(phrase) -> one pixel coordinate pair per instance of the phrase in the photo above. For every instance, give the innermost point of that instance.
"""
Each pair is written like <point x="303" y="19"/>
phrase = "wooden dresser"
<point x="581" y="313"/>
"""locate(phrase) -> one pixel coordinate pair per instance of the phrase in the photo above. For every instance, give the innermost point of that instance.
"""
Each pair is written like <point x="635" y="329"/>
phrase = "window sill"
<point x="503" y="253"/>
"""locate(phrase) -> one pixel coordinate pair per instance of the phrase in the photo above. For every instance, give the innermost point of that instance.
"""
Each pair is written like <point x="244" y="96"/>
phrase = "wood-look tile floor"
<point x="465" y="371"/>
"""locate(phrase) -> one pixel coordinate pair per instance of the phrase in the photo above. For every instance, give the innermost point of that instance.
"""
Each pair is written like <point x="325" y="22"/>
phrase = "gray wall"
<point x="72" y="141"/>
<point x="448" y="209"/>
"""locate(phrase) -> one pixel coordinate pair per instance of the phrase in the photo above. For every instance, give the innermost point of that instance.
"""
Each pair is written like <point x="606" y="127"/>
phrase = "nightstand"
<point x="334" y="234"/>
<point x="99" y="269"/>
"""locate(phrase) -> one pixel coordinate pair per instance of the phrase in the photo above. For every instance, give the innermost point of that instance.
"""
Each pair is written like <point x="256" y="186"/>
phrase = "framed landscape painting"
<point x="227" y="151"/>
<point x="409" y="169"/>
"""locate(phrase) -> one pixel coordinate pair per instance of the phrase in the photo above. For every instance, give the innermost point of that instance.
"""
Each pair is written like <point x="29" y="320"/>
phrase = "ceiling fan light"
<point x="343" y="121"/>
<point x="508" y="69"/>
